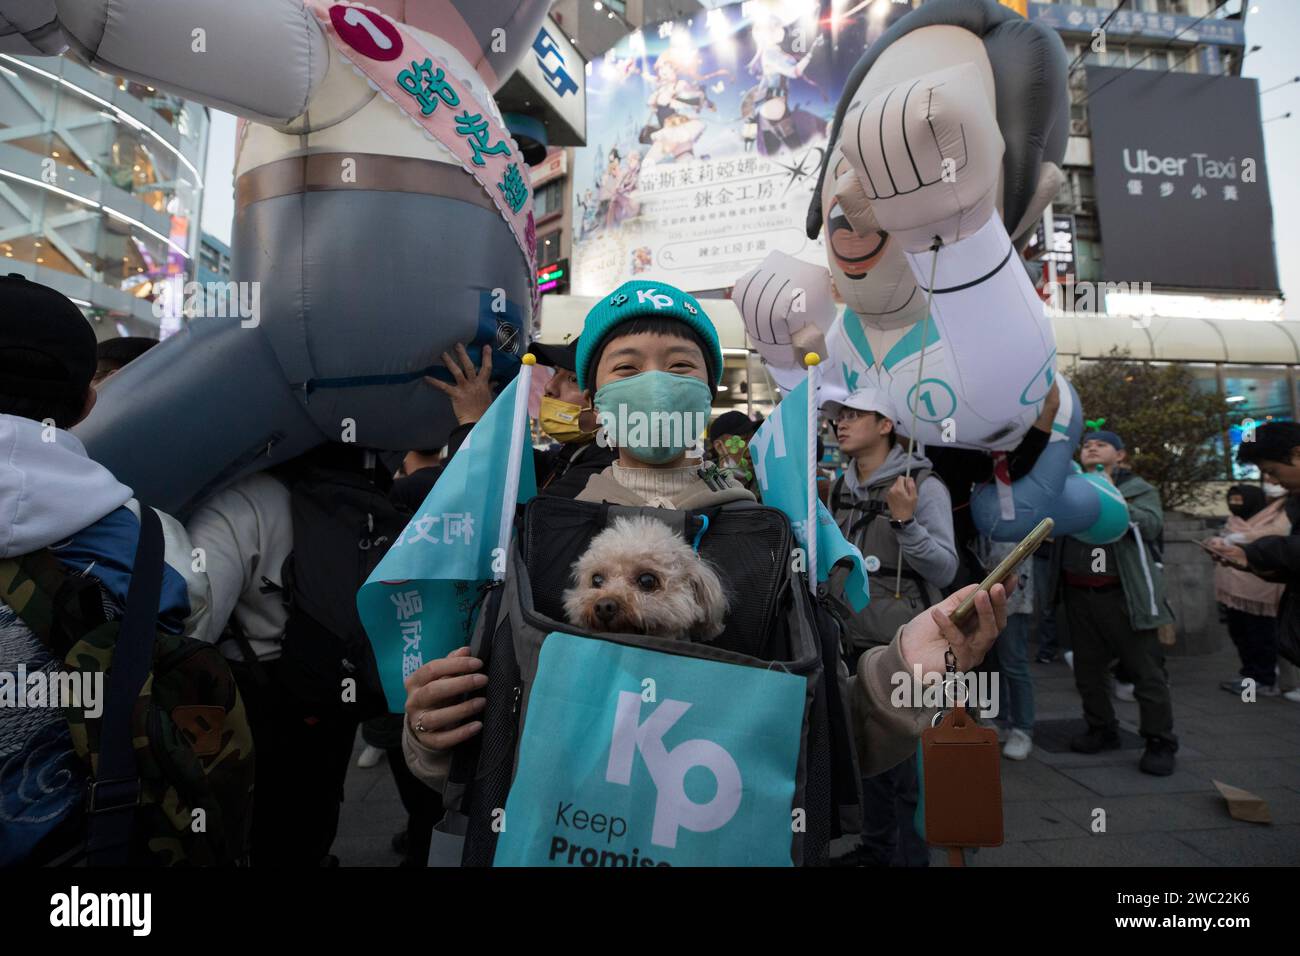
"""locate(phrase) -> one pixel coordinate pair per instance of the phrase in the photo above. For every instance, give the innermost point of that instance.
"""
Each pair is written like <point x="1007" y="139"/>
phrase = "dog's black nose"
<point x="606" y="609"/>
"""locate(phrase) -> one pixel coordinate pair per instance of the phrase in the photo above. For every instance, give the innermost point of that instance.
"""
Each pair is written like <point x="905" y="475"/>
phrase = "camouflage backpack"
<point x="170" y="756"/>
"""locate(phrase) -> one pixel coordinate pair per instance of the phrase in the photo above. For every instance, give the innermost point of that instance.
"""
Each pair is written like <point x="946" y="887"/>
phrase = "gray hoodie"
<point x="928" y="542"/>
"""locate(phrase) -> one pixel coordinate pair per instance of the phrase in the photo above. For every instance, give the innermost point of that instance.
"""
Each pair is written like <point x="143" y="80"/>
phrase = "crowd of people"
<point x="279" y="562"/>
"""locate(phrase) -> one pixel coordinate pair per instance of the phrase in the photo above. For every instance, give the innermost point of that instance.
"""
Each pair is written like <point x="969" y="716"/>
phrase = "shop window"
<point x="1255" y="395"/>
<point x="1064" y="198"/>
<point x="53" y="146"/>
<point x="134" y="261"/>
<point x="38" y="250"/>
<point x="1087" y="260"/>
<point x="548" y="199"/>
<point x="548" y="247"/>
<point x="1258" y="392"/>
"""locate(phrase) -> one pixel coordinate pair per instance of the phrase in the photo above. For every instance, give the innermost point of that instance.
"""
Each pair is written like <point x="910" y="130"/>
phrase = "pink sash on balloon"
<point x="427" y="89"/>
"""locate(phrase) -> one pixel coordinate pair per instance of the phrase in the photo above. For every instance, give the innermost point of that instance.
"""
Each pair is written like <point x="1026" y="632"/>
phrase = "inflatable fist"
<point x="382" y="214"/>
<point x="787" y="308"/>
<point x="927" y="154"/>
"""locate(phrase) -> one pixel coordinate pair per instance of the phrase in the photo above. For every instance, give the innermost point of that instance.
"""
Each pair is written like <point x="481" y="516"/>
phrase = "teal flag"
<point x="780" y="453"/>
<point x="693" y="766"/>
<point x="417" y="605"/>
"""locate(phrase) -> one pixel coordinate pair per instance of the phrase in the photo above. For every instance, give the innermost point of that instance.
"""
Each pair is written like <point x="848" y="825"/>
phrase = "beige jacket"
<point x="886" y="735"/>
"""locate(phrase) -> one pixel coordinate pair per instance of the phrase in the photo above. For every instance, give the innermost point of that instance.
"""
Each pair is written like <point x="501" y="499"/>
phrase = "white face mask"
<point x="1273" y="491"/>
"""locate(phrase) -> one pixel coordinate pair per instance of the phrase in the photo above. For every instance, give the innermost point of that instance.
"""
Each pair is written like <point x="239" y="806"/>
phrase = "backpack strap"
<point x="858" y="514"/>
<point x="235" y="633"/>
<point x="115" y="792"/>
<point x="833" y="496"/>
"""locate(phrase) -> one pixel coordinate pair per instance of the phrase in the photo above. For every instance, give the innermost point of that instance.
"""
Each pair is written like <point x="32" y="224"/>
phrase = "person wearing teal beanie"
<point x="639" y="299"/>
<point x="650" y="362"/>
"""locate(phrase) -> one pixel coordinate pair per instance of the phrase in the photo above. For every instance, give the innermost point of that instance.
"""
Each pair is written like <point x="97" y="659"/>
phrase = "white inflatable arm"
<point x="787" y="307"/>
<point x="261" y="59"/>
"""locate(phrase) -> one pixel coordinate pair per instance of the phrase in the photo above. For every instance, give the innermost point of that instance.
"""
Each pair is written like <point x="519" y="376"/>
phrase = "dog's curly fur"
<point x="639" y="577"/>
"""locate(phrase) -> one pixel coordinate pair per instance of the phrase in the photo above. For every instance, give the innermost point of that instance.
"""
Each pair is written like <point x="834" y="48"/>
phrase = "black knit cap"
<point x="36" y="318"/>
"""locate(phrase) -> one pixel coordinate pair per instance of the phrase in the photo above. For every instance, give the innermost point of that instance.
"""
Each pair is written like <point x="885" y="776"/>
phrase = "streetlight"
<point x="1294" y="79"/>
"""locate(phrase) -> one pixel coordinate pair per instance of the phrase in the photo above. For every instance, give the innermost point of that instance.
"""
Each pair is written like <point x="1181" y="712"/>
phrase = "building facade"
<point x="1180" y="36"/>
<point x="1186" y="50"/>
<point x="213" y="275"/>
<point x="1122" y="45"/>
<point x="101" y="186"/>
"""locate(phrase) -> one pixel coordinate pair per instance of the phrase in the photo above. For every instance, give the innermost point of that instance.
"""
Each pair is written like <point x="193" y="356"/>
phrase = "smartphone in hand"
<point x="1027" y="546"/>
<point x="1219" y="558"/>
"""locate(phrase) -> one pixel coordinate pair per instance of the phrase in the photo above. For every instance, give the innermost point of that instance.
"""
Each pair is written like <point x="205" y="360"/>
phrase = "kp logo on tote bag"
<point x="633" y="757"/>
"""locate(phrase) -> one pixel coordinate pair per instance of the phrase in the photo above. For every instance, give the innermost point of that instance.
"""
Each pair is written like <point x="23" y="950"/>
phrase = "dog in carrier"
<point x="640" y="577"/>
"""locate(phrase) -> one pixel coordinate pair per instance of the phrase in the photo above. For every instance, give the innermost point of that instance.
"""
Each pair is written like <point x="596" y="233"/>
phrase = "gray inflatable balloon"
<point x="368" y="249"/>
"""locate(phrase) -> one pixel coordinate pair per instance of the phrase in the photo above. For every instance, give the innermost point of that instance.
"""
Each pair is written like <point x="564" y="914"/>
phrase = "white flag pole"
<point x="811" y="361"/>
<point x="518" y="433"/>
<point x="920" y="377"/>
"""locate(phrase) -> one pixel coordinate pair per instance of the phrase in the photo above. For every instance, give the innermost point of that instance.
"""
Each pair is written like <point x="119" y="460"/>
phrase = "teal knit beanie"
<point x="640" y="299"/>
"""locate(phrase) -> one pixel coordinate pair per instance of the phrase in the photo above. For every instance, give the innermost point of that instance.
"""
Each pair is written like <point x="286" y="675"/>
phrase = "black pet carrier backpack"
<point x="775" y="636"/>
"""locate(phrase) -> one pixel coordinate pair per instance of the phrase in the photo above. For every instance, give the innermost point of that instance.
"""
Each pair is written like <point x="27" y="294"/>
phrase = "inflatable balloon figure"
<point x="381" y="207"/>
<point x="946" y="149"/>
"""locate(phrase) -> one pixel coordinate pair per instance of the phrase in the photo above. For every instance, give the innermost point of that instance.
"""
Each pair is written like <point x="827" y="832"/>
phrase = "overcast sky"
<point x="1275" y="26"/>
<point x="1276" y="29"/>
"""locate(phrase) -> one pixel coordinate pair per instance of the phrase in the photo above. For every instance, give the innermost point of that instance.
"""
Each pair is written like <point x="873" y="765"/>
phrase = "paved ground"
<point x="1050" y="798"/>
<point x="1179" y="820"/>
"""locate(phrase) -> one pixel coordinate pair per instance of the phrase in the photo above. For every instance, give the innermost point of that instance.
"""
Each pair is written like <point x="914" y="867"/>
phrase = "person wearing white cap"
<point x="890" y="505"/>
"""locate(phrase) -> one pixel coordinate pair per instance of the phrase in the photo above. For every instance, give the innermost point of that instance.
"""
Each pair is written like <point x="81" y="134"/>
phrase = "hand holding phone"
<point x="1224" y="553"/>
<point x="1028" y="545"/>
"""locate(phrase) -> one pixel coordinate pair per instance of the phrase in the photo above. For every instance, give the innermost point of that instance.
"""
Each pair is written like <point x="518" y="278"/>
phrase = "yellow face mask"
<point x="560" y="420"/>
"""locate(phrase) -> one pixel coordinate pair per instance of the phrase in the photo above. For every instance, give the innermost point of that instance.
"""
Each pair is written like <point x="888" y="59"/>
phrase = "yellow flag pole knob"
<point x="529" y="359"/>
<point x="811" y="359"/>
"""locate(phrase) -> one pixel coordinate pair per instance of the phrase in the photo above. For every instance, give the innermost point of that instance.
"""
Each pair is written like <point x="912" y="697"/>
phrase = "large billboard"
<point x="704" y="139"/>
<point x="1182" y="188"/>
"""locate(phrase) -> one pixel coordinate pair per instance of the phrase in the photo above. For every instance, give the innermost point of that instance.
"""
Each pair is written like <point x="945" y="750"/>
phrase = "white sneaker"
<point x="1069" y="659"/>
<point x="1018" y="746"/>
<point x="1124" y="691"/>
<point x="370" y="757"/>
<point x="1293" y="695"/>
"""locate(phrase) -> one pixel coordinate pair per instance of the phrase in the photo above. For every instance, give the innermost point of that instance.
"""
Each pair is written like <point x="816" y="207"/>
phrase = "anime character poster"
<point x="705" y="136"/>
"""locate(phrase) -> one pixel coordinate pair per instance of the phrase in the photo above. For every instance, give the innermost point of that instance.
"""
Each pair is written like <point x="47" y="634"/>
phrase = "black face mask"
<point x="1252" y="500"/>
